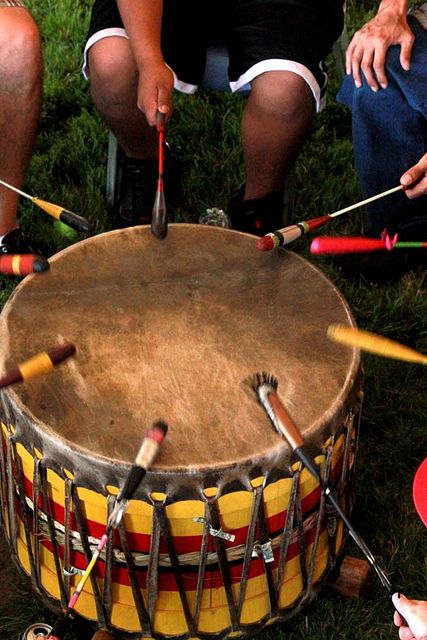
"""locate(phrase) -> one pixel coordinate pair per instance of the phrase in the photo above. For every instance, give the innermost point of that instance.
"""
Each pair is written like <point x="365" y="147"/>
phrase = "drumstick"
<point x="373" y="343"/>
<point x="159" y="220"/>
<point x="326" y="245"/>
<point x="39" y="364"/>
<point x="265" y="387"/>
<point x="144" y="459"/>
<point x="292" y="232"/>
<point x="22" y="264"/>
<point x="150" y="446"/>
<point x="56" y="211"/>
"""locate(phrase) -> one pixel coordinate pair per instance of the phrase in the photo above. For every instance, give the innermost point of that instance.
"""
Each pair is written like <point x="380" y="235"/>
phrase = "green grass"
<point x="68" y="167"/>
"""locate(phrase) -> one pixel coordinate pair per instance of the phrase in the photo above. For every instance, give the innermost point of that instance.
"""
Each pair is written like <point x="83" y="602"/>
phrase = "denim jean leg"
<point x="389" y="129"/>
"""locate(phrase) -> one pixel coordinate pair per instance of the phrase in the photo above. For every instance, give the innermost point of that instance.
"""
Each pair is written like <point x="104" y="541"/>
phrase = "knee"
<point x="283" y="95"/>
<point x="112" y="71"/>
<point x="20" y="49"/>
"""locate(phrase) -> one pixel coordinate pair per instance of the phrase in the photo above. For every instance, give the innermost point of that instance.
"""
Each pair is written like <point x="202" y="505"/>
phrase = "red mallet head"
<point x="22" y="265"/>
<point x="325" y="245"/>
<point x="266" y="243"/>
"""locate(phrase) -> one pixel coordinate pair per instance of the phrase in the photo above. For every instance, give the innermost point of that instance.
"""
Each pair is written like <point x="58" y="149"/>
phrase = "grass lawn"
<point x="68" y="167"/>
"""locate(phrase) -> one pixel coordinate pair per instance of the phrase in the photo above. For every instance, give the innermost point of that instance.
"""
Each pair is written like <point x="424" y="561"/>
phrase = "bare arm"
<point x="143" y="22"/>
<point x="368" y="48"/>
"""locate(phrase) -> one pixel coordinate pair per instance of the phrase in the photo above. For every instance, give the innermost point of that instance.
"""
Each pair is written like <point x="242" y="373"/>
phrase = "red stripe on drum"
<point x="183" y="544"/>
<point x="167" y="581"/>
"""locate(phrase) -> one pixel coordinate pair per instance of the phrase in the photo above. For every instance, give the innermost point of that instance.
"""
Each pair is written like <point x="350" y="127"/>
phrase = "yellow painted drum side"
<point x="235" y="511"/>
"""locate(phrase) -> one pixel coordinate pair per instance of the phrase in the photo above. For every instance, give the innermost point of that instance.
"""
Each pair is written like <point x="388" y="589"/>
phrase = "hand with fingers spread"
<point x="368" y="49"/>
<point x="415" y="179"/>
<point x="411" y="617"/>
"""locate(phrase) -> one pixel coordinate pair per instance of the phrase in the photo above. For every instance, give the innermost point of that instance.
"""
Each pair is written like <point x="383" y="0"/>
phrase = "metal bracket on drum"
<point x="217" y="533"/>
<point x="264" y="551"/>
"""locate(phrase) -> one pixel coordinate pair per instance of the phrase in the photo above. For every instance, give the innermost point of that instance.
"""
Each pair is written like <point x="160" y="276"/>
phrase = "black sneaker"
<point x="15" y="242"/>
<point x="258" y="216"/>
<point x="138" y="186"/>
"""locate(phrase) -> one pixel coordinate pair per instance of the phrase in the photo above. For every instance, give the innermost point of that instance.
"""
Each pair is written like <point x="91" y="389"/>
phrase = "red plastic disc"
<point x="419" y="491"/>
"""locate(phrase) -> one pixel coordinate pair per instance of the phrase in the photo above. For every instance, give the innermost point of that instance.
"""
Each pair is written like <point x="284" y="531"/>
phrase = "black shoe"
<point x="258" y="216"/>
<point x="15" y="242"/>
<point x="139" y="185"/>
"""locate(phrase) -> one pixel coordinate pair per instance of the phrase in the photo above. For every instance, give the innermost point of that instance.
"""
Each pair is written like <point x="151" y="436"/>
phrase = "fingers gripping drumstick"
<point x="265" y="387"/>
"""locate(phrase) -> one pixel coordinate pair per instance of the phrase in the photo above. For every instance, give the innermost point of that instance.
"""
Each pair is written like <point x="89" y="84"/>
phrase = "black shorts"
<point x="260" y="35"/>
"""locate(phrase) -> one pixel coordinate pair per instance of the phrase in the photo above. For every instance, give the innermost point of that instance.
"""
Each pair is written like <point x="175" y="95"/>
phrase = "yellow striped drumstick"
<point x="373" y="343"/>
<point x="56" y="211"/>
<point x="39" y="364"/>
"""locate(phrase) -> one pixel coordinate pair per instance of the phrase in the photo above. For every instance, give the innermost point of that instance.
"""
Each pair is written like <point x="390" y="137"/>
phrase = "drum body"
<point x="227" y="533"/>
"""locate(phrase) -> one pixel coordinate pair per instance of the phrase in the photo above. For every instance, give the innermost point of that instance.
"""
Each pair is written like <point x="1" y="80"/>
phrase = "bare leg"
<point x="114" y="79"/>
<point x="277" y="117"/>
<point x="20" y="100"/>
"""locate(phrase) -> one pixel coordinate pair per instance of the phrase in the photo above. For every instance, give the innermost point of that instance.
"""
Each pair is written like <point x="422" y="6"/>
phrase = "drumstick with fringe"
<point x="69" y="218"/>
<point x="265" y="386"/>
<point x="149" y="449"/>
<point x="288" y="234"/>
<point x="373" y="343"/>
<point x="37" y="365"/>
<point x="22" y="264"/>
<point x="159" y="220"/>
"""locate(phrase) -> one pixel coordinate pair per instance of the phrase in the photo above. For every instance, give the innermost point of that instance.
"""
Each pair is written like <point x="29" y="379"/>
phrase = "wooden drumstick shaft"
<point x="56" y="211"/>
<point x="289" y="234"/>
<point x="39" y="364"/>
<point x="362" y="203"/>
<point x="286" y="425"/>
<point x="149" y="448"/>
<point x="159" y="220"/>
<point x="373" y="343"/>
<point x="265" y="387"/>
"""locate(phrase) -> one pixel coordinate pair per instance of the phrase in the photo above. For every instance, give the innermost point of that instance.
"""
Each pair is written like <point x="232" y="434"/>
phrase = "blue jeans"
<point x="389" y="130"/>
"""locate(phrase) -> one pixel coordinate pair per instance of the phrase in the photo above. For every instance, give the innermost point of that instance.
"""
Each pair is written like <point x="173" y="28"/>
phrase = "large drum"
<point x="227" y="533"/>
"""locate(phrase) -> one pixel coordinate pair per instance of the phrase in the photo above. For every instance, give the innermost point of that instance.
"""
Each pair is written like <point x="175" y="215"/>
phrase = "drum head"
<point x="170" y="330"/>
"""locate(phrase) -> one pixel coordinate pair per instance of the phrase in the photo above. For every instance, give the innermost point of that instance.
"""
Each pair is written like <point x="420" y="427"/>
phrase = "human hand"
<point x="102" y="634"/>
<point x="155" y="90"/>
<point x="368" y="48"/>
<point x="415" y="179"/>
<point x="411" y="617"/>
